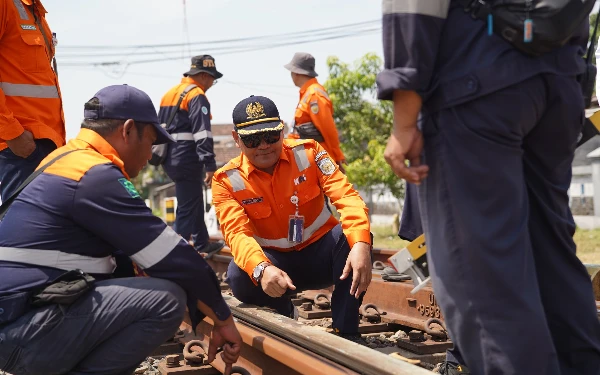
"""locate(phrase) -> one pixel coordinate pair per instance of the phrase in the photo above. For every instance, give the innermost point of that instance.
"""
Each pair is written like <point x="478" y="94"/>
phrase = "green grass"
<point x="588" y="245"/>
<point x="386" y="238"/>
<point x="588" y="242"/>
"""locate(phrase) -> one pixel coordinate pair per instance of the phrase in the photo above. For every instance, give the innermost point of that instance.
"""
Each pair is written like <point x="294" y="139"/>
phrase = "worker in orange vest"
<point x="32" y="123"/>
<point x="186" y="111"/>
<point x="314" y="115"/>
<point x="273" y="216"/>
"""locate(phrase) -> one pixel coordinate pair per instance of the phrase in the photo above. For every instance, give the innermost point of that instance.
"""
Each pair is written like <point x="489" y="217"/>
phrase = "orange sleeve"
<point x="10" y="128"/>
<point x="3" y="16"/>
<point x="236" y="227"/>
<point x="353" y="210"/>
<point x="323" y="121"/>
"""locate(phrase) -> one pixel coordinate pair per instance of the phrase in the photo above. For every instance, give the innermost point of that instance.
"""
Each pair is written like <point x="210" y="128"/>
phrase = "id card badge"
<point x="295" y="228"/>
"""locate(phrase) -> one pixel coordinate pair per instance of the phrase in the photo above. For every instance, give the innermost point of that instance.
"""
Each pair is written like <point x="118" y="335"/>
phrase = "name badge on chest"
<point x="295" y="223"/>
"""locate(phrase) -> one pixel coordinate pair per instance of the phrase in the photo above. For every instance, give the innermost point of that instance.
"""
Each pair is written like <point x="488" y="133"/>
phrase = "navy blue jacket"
<point x="191" y="128"/>
<point x="82" y="209"/>
<point x="434" y="48"/>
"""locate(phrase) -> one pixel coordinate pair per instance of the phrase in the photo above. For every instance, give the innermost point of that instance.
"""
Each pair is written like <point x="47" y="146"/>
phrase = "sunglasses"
<point x="254" y="140"/>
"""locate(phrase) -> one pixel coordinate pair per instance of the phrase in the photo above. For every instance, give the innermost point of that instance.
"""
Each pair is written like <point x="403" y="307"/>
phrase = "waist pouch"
<point x="64" y="290"/>
<point x="309" y="131"/>
<point x="534" y="27"/>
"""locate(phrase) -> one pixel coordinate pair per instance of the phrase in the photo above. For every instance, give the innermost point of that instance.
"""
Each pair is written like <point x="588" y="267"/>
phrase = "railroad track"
<point x="273" y="344"/>
<point x="404" y="332"/>
<point x="392" y="319"/>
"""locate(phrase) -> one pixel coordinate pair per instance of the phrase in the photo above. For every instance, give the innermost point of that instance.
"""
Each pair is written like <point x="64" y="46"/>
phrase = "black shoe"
<point x="211" y="248"/>
<point x="448" y="368"/>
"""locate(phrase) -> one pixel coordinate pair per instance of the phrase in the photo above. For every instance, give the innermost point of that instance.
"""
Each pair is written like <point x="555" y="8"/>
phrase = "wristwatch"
<point x="258" y="271"/>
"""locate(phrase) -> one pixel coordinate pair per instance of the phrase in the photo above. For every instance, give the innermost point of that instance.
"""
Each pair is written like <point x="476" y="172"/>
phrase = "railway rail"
<point x="403" y="333"/>
<point x="273" y="344"/>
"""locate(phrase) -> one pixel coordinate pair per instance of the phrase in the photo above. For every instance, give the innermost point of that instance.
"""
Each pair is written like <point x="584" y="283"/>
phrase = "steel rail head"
<point x="361" y="364"/>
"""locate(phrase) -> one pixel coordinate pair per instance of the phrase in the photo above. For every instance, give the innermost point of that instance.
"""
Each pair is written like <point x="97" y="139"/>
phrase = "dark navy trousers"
<point x="14" y="169"/>
<point x="108" y="330"/>
<point x="317" y="266"/>
<point x="189" y="217"/>
<point x="499" y="230"/>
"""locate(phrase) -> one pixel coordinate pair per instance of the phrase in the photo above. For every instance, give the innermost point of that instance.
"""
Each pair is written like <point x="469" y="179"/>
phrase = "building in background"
<point x="225" y="150"/>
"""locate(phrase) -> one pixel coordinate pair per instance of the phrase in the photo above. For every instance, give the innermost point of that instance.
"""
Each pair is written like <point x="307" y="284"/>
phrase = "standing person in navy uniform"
<point x="191" y="160"/>
<point x="490" y="133"/>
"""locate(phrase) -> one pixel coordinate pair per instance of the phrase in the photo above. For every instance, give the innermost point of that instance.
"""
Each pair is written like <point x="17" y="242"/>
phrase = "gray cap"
<point x="302" y="63"/>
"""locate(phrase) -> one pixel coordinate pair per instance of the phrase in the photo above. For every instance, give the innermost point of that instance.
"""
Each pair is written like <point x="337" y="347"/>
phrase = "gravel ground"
<point x="149" y="366"/>
<point x="325" y="322"/>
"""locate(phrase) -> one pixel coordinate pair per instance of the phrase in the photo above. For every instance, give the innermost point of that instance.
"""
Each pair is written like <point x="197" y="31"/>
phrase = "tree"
<point x="364" y="122"/>
<point x="148" y="176"/>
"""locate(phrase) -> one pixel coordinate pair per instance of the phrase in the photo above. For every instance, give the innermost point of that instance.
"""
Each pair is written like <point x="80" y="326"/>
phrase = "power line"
<point x="218" y="45"/>
<point x="225" y="50"/>
<point x="177" y="45"/>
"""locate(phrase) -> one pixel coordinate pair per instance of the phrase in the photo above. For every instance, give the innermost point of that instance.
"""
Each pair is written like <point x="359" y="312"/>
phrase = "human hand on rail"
<point x="275" y="282"/>
<point x="359" y="262"/>
<point x="225" y="335"/>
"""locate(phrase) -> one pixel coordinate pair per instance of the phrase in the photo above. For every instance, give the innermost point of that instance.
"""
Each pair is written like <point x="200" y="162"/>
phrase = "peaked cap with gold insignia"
<point x="256" y="114"/>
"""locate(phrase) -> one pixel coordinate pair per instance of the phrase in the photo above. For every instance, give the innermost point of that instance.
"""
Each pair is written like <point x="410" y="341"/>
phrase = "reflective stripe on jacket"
<point x="191" y="128"/>
<point x="80" y="211"/>
<point x="315" y="106"/>
<point x="253" y="207"/>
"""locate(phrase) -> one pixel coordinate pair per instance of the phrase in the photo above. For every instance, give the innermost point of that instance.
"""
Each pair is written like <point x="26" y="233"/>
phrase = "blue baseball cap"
<point x="124" y="102"/>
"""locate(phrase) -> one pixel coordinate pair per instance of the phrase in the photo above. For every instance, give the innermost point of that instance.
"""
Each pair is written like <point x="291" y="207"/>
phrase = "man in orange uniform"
<point x="270" y="203"/>
<point x="314" y="114"/>
<point x="31" y="118"/>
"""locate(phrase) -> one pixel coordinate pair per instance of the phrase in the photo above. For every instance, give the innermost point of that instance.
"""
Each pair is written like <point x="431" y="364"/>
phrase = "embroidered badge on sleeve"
<point x="128" y="185"/>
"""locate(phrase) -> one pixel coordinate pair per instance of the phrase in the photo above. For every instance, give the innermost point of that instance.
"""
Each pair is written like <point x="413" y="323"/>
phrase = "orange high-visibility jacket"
<point x="29" y="93"/>
<point x="254" y="207"/>
<point x="315" y="106"/>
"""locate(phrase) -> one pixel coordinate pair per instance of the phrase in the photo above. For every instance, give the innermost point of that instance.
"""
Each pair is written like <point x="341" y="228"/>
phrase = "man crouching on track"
<point x="60" y="310"/>
<point x="272" y="211"/>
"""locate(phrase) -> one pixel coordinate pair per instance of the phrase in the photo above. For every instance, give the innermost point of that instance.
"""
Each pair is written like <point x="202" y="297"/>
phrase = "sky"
<point x="150" y="22"/>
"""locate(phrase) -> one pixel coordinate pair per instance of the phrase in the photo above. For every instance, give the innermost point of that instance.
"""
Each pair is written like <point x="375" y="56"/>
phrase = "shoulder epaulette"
<point x="232" y="164"/>
<point x="291" y="143"/>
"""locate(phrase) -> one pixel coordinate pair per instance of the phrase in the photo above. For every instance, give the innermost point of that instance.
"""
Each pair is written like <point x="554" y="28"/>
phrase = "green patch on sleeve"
<point x="129" y="187"/>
